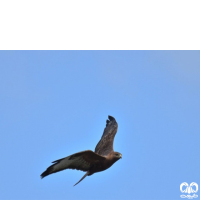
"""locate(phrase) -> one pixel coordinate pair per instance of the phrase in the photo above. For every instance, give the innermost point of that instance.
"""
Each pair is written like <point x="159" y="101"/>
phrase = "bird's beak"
<point x="120" y="155"/>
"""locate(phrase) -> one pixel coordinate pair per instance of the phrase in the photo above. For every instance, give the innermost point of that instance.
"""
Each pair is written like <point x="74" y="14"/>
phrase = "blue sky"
<point x="55" y="103"/>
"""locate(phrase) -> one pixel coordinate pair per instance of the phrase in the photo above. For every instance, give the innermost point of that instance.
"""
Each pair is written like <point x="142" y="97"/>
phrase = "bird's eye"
<point x="117" y="154"/>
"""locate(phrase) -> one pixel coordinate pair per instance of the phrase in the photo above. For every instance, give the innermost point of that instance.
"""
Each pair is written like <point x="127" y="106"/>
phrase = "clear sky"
<point x="55" y="103"/>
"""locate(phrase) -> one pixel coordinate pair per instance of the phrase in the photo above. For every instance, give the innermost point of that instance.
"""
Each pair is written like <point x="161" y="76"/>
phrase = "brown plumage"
<point x="89" y="161"/>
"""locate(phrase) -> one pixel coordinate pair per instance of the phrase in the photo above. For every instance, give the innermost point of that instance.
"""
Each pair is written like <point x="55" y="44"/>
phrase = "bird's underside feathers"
<point x="80" y="161"/>
<point x="105" y="145"/>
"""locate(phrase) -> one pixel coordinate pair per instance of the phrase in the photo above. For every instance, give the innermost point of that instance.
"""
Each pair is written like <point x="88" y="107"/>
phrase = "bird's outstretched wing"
<point x="105" y="145"/>
<point x="81" y="161"/>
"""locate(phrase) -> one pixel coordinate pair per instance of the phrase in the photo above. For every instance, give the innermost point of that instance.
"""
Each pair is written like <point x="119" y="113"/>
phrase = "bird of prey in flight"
<point x="88" y="161"/>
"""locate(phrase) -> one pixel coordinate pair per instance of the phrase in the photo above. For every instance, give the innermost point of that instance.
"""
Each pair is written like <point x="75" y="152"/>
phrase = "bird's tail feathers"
<point x="87" y="173"/>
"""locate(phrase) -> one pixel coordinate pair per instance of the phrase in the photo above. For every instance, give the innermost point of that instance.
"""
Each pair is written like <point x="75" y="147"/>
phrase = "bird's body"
<point x="89" y="161"/>
<point x="103" y="165"/>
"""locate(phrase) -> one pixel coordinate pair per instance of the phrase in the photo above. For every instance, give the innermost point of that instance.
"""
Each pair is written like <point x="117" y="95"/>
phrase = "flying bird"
<point x="88" y="161"/>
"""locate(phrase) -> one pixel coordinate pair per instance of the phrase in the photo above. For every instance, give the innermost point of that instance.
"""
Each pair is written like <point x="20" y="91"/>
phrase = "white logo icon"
<point x="192" y="188"/>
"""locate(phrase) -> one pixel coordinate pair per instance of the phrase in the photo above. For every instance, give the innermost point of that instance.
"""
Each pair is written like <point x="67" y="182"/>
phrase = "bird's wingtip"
<point x="111" y="118"/>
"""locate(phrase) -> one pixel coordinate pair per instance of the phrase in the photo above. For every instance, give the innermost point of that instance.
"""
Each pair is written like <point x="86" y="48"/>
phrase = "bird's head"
<point x="117" y="155"/>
